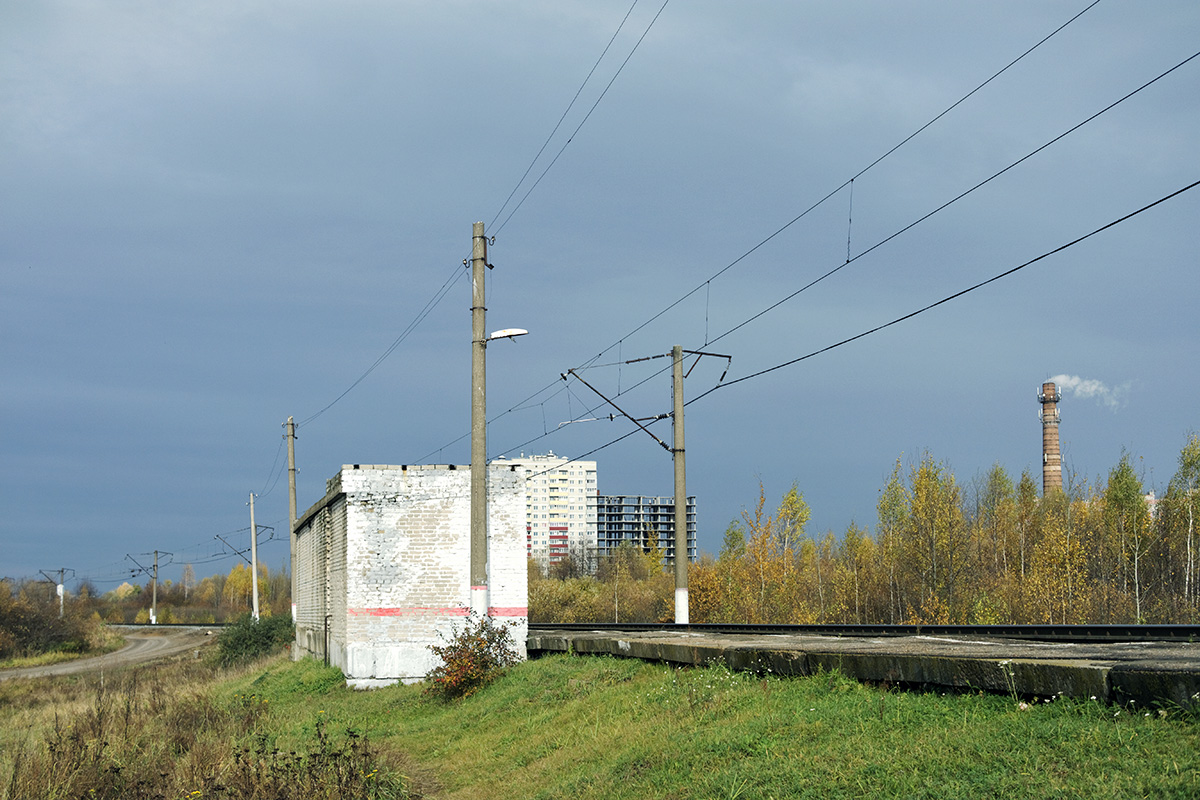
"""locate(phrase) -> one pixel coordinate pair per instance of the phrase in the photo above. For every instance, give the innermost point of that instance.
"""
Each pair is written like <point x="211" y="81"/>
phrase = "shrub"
<point x="31" y="627"/>
<point x="247" y="639"/>
<point x="472" y="658"/>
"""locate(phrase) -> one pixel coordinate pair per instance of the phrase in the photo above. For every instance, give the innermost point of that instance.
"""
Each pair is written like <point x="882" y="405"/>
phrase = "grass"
<point x="610" y="728"/>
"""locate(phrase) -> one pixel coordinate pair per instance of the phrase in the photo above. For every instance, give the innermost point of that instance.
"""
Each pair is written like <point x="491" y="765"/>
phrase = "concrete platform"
<point x="1142" y="672"/>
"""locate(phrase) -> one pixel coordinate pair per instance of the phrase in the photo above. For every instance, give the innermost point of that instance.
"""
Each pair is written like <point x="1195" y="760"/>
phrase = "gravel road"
<point x="140" y="646"/>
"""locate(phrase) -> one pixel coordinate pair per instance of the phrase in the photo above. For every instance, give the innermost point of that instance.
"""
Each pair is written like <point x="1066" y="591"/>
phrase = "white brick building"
<point x="560" y="506"/>
<point x="383" y="566"/>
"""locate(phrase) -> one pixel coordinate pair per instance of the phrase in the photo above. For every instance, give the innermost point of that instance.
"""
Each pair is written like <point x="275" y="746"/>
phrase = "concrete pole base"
<point x="681" y="606"/>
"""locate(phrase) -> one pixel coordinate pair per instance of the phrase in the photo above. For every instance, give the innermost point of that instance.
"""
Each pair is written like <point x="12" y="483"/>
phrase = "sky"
<point x="214" y="216"/>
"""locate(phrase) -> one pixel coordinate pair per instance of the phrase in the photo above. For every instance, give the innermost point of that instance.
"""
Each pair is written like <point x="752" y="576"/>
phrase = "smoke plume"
<point x="1112" y="398"/>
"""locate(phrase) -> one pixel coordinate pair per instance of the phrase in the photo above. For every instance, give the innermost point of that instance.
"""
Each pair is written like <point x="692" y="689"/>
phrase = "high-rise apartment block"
<point x="642" y="521"/>
<point x="560" y="505"/>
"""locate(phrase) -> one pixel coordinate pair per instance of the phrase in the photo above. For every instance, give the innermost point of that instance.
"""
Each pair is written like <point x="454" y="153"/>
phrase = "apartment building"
<point x="560" y="506"/>
<point x="639" y="519"/>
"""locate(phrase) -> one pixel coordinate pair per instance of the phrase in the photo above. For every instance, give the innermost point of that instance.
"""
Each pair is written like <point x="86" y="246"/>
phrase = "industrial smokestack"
<point x="1051" y="455"/>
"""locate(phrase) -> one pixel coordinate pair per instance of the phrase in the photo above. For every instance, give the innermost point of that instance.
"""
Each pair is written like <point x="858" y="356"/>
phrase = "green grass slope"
<point x="583" y="727"/>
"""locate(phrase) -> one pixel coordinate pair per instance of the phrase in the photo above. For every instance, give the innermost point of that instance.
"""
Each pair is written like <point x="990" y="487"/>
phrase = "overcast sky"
<point x="216" y="215"/>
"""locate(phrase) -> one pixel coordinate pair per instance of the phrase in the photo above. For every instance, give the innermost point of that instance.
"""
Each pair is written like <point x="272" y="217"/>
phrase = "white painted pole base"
<point x="479" y="601"/>
<point x="681" y="607"/>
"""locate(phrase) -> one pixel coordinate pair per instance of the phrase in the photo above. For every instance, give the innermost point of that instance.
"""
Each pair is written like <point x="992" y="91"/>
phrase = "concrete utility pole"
<point x="154" y="601"/>
<point x="681" y="541"/>
<point x="677" y="453"/>
<point x="153" y="573"/>
<point x="291" y="447"/>
<point x="253" y="561"/>
<point x="479" y="575"/>
<point x="60" y="590"/>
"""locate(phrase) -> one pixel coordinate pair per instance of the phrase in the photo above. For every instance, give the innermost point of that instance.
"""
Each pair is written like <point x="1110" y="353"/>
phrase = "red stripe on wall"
<point x="495" y="611"/>
<point x="407" y="612"/>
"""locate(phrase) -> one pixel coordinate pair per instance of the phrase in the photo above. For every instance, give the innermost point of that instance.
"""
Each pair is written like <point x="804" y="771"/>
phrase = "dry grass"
<point x="162" y="732"/>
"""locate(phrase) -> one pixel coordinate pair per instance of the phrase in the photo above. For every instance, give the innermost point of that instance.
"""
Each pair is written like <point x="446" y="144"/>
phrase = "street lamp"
<point x="507" y="333"/>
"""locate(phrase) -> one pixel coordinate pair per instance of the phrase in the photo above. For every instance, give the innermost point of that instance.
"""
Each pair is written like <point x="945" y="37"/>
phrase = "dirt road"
<point x="140" y="645"/>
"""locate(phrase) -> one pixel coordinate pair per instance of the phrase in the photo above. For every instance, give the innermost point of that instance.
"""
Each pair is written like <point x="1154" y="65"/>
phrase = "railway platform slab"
<point x="1146" y="673"/>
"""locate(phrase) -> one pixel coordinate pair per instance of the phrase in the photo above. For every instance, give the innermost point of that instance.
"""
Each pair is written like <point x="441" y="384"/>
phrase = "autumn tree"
<point x="188" y="580"/>
<point x="936" y="539"/>
<point x="714" y="587"/>
<point x="1128" y="520"/>
<point x="238" y="585"/>
<point x="855" y="590"/>
<point x="1027" y="520"/>
<point x="893" y="510"/>
<point x="1179" y="511"/>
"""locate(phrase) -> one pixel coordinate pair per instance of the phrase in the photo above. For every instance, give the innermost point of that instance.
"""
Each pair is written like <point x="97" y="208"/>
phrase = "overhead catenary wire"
<point x="916" y="222"/>
<point x="953" y="296"/>
<point x="910" y="225"/>
<point x="706" y="284"/>
<point x="959" y="196"/>
<point x="909" y="315"/>
<point x="208" y="551"/>
<point x="781" y="229"/>
<point x="899" y="232"/>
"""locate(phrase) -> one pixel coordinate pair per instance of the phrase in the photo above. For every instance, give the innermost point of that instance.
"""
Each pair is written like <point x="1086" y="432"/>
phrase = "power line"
<point x="417" y="320"/>
<point x="585" y="118"/>
<point x="570" y="105"/>
<point x="445" y="287"/>
<point x="266" y="491"/>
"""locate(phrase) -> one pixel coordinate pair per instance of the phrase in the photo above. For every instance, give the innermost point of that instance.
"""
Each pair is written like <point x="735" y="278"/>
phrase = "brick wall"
<point x="386" y="555"/>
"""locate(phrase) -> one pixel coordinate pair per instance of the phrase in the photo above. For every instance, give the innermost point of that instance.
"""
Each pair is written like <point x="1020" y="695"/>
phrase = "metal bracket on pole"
<point x="240" y="553"/>
<point x="663" y="444"/>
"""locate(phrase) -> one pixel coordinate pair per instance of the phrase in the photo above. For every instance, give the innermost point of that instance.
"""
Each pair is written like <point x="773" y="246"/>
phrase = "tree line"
<point x="30" y="621"/>
<point x="216" y="598"/>
<point x="991" y="551"/>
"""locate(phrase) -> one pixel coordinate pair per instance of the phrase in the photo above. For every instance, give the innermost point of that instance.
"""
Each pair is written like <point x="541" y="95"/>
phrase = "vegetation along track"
<point x="1044" y="633"/>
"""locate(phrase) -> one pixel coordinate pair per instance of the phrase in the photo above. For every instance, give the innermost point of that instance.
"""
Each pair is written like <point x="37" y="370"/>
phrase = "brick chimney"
<point x="1051" y="455"/>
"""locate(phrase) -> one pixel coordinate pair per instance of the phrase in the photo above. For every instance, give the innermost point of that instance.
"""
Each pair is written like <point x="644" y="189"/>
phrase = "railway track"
<point x="1040" y="633"/>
